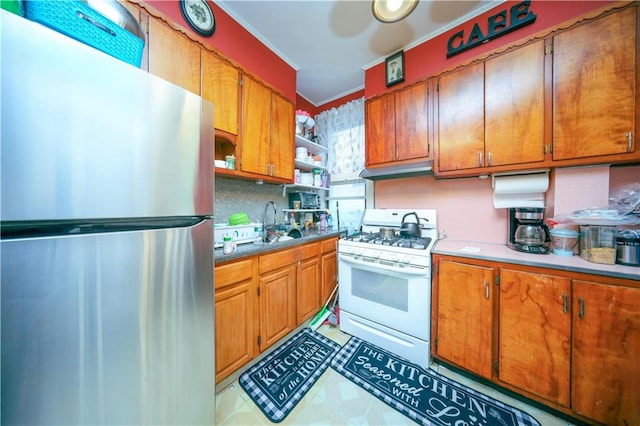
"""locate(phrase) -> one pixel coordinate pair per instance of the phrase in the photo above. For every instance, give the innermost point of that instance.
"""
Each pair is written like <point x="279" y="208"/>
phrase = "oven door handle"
<point x="378" y="266"/>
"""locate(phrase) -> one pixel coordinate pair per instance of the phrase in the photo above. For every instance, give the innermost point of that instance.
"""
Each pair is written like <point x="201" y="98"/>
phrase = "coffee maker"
<point x="527" y="232"/>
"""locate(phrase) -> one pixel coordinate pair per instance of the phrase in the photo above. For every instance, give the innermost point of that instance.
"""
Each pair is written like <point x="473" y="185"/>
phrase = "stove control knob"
<point x="406" y="259"/>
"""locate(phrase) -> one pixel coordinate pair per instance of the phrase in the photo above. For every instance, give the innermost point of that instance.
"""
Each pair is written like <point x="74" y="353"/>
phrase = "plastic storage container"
<point x="564" y="240"/>
<point x="598" y="243"/>
<point x="78" y="20"/>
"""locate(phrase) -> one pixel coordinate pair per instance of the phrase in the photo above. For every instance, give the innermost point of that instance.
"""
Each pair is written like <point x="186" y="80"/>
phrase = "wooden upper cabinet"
<point x="256" y="127"/>
<point x="173" y="56"/>
<point x="397" y="126"/>
<point x="535" y="333"/>
<point x="514" y="107"/>
<point x="412" y="118"/>
<point x="283" y="134"/>
<point x="465" y="311"/>
<point x="221" y="85"/>
<point x="380" y="128"/>
<point x="606" y="352"/>
<point x="461" y="119"/>
<point x="594" y="88"/>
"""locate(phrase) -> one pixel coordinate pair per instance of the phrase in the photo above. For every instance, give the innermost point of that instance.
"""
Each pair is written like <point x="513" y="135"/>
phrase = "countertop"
<point x="501" y="253"/>
<point x="250" y="249"/>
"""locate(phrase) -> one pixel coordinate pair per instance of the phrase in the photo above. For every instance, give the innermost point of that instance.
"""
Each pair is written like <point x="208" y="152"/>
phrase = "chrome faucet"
<point x="264" y="217"/>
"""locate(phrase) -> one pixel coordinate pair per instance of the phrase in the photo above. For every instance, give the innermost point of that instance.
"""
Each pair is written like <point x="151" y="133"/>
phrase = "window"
<point x="341" y="130"/>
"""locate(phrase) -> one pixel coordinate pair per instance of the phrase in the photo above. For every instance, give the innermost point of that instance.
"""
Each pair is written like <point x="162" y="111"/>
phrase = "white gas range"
<point x="385" y="282"/>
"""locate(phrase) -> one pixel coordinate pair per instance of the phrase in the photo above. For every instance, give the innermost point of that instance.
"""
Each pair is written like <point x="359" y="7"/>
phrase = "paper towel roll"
<point x="525" y="190"/>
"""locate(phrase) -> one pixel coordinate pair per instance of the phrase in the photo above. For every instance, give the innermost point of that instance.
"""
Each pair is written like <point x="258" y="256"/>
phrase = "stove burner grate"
<point x="418" y="243"/>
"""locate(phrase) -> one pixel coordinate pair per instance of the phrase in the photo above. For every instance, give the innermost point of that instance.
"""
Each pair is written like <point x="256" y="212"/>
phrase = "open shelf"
<point x="312" y="147"/>
<point x="300" y="186"/>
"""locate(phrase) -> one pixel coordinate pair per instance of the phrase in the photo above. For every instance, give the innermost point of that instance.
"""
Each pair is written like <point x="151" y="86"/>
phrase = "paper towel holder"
<point x="523" y="172"/>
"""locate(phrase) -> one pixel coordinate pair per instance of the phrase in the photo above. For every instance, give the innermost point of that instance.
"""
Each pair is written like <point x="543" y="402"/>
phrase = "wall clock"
<point x="199" y="16"/>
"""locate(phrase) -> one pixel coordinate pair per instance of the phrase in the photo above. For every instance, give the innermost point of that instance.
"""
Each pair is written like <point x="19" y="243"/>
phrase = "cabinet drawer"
<point x="328" y="245"/>
<point x="280" y="259"/>
<point x="233" y="273"/>
<point x="309" y="250"/>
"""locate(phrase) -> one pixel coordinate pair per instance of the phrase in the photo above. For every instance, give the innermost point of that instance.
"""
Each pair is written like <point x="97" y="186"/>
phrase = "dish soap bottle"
<point x="323" y="222"/>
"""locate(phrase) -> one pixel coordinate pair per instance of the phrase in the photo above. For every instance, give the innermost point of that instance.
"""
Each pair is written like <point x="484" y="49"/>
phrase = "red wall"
<point x="236" y="43"/>
<point x="429" y="58"/>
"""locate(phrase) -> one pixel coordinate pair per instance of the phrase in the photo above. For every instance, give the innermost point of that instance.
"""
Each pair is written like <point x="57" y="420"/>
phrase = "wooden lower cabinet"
<point x="568" y="340"/>
<point x="535" y="333"/>
<point x="276" y="300"/>
<point x="329" y="268"/>
<point x="307" y="282"/>
<point x="236" y="315"/>
<point x="261" y="299"/>
<point x="465" y="315"/>
<point x="605" y="380"/>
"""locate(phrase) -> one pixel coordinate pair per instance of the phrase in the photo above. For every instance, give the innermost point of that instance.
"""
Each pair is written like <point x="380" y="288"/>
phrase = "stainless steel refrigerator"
<point x="107" y="312"/>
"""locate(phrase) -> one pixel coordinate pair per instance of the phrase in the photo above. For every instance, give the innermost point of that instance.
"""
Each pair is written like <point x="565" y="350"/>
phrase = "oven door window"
<point x="386" y="290"/>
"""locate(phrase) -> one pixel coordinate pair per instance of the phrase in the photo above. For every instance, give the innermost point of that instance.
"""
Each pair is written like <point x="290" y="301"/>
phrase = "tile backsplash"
<point x="234" y="196"/>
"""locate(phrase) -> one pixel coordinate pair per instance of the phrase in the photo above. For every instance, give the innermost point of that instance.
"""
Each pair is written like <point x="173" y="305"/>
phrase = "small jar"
<point x="227" y="245"/>
<point x="231" y="162"/>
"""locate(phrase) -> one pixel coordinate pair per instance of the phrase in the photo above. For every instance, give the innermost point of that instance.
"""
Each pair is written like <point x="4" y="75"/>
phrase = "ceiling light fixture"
<point x="388" y="11"/>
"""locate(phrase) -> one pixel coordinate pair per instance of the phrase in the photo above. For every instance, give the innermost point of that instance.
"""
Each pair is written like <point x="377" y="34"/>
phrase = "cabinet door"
<point x="221" y="86"/>
<point x="380" y="127"/>
<point x="534" y="337"/>
<point x="235" y="316"/>
<point x="461" y="119"/>
<point x="282" y="137"/>
<point x="594" y="93"/>
<point x="514" y="107"/>
<point x="277" y="305"/>
<point x="329" y="275"/>
<point x="464" y="334"/>
<point x="606" y="353"/>
<point x="411" y="123"/>
<point x="256" y="127"/>
<point x="173" y="57"/>
<point x="308" y="289"/>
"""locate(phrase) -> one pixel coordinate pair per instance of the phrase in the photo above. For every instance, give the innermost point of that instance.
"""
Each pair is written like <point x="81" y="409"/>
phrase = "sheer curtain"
<point x="341" y="130"/>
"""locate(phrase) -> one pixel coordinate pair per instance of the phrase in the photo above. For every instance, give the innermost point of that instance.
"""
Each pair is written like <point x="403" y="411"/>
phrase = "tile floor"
<point x="334" y="400"/>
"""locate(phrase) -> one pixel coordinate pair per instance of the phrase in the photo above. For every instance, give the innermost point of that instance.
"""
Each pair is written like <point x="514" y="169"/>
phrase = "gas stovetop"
<point x="395" y="241"/>
<point x="390" y="246"/>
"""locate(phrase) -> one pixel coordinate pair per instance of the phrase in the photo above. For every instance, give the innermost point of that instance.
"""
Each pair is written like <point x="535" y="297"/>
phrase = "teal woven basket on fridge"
<point x="78" y="20"/>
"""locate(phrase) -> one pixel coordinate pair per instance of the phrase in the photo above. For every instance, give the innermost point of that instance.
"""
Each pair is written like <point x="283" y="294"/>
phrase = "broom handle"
<point x="331" y="296"/>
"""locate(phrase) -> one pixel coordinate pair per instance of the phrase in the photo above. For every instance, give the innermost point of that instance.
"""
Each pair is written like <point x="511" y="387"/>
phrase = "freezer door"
<point x="111" y="328"/>
<point x="85" y="135"/>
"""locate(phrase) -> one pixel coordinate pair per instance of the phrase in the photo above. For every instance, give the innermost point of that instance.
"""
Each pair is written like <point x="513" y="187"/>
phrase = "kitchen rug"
<point x="280" y="380"/>
<point x="424" y="396"/>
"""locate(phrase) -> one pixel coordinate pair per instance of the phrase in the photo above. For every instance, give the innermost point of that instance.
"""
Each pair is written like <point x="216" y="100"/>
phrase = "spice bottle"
<point x="227" y="245"/>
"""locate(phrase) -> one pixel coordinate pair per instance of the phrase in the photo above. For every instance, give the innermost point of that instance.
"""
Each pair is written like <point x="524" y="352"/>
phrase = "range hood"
<point x="422" y="168"/>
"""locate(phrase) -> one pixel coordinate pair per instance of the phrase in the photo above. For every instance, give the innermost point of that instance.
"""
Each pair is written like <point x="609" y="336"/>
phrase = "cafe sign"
<point x="498" y="25"/>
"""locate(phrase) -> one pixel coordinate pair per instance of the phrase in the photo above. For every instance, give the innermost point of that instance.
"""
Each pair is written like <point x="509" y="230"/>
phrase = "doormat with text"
<point x="424" y="396"/>
<point x="280" y="380"/>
